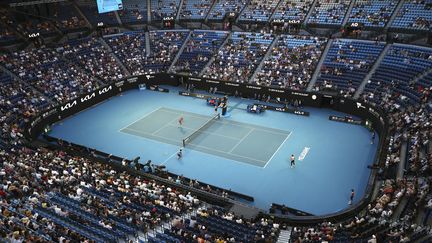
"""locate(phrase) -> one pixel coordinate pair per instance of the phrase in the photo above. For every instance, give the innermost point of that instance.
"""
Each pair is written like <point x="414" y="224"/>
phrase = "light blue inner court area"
<point x="336" y="162"/>
<point x="233" y="140"/>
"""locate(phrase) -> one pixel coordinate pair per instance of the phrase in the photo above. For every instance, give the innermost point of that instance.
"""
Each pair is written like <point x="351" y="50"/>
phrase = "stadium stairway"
<point x="284" y="236"/>
<point x="209" y="11"/>
<point x="170" y="69"/>
<point x="275" y="9"/>
<point x="318" y="67"/>
<point x="179" y="10"/>
<point x="269" y="50"/>
<point x="82" y="15"/>
<point x="213" y="56"/>
<point x="422" y="75"/>
<point x="394" y="14"/>
<point x="371" y="72"/>
<point x="122" y="66"/>
<point x="147" y="43"/>
<point x="348" y="12"/>
<point x="403" y="156"/>
<point x="310" y="11"/>
<point x="118" y="18"/>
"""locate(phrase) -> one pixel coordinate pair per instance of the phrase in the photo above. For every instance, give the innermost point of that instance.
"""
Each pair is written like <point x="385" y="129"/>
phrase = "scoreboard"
<point x="105" y="6"/>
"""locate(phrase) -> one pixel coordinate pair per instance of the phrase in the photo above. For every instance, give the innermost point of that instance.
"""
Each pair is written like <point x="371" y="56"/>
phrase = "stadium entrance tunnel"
<point x="371" y="116"/>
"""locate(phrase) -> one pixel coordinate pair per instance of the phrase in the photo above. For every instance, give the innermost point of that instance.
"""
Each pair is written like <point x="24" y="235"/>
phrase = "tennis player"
<point x="180" y="154"/>
<point x="292" y="160"/>
<point x="180" y="121"/>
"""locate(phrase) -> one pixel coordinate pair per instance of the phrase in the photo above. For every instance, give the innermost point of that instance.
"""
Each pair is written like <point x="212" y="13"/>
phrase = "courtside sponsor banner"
<point x="253" y="87"/>
<point x="69" y="105"/>
<point x="86" y="98"/>
<point x="232" y="84"/>
<point x="132" y="80"/>
<point x="119" y="84"/>
<point x="300" y="94"/>
<point x="276" y="90"/>
<point x="346" y="120"/>
<point x="195" y="79"/>
<point x="212" y="81"/>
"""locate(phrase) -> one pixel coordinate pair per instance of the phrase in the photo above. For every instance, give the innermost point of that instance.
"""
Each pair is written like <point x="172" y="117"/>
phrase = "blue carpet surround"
<point x="334" y="159"/>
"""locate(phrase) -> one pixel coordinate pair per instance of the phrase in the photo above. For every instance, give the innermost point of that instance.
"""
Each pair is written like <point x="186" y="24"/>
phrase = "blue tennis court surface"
<point x="248" y="153"/>
<point x="233" y="140"/>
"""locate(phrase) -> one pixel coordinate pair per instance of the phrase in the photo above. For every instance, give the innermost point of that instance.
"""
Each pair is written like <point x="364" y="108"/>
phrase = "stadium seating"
<point x="134" y="12"/>
<point x="292" y="62"/>
<point x="258" y="10"/>
<point x="222" y="7"/>
<point x="372" y="13"/>
<point x="164" y="8"/>
<point x="200" y="47"/>
<point x="130" y="47"/>
<point x="331" y="12"/>
<point x="293" y="10"/>
<point x="164" y="46"/>
<point x="43" y="69"/>
<point x="92" y="56"/>
<point x="68" y="19"/>
<point x="239" y="57"/>
<point x="415" y="15"/>
<point x="195" y="9"/>
<point x="400" y="66"/>
<point x="348" y="62"/>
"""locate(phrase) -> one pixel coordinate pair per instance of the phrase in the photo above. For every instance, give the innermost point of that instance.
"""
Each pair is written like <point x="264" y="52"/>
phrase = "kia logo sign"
<point x="68" y="106"/>
<point x="88" y="97"/>
<point x="104" y="90"/>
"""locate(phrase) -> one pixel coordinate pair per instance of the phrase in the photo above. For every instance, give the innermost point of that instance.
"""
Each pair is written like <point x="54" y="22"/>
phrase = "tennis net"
<point x="196" y="132"/>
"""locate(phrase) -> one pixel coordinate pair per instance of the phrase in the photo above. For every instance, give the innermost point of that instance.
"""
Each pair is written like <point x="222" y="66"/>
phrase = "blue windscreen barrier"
<point x="105" y="6"/>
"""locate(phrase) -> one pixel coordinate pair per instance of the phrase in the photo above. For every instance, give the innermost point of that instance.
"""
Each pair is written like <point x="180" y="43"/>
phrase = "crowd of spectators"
<point x="198" y="51"/>
<point x="90" y="54"/>
<point x="131" y="49"/>
<point x="195" y="9"/>
<point x="164" y="46"/>
<point x="331" y="12"/>
<point x="414" y="14"/>
<point x="293" y="10"/>
<point x="292" y="62"/>
<point x="164" y="8"/>
<point x="347" y="63"/>
<point x="239" y="57"/>
<point x="258" y="10"/>
<point x="53" y="76"/>
<point x="374" y="13"/>
<point x="223" y="7"/>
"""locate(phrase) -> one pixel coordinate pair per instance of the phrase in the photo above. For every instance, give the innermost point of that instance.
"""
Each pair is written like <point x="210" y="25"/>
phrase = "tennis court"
<point x="233" y="140"/>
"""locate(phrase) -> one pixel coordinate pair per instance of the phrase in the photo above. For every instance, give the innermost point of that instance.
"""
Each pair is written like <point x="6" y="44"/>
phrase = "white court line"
<point x="139" y="119"/>
<point x="168" y="158"/>
<point x="277" y="150"/>
<point x="241" y="140"/>
<point x="149" y="134"/>
<point x="196" y="145"/>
